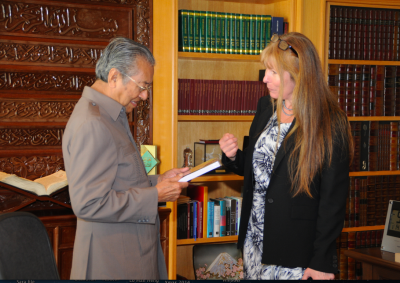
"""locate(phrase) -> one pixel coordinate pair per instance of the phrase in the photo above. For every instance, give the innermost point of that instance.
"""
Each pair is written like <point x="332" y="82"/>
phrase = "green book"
<point x="203" y="27"/>
<point x="191" y="31"/>
<point x="213" y="32"/>
<point x="247" y="25"/>
<point x="208" y="32"/>
<point x="237" y="33"/>
<point x="183" y="40"/>
<point x="268" y="31"/>
<point x="257" y="38"/>
<point x="242" y="34"/>
<point x="252" y="37"/>
<point x="263" y="26"/>
<point x="229" y="33"/>
<point x="232" y="48"/>
<point x="196" y="27"/>
<point x="224" y="37"/>
<point x="218" y="32"/>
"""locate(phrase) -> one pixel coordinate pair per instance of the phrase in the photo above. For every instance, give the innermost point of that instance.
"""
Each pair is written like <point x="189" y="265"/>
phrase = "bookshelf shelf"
<point x="218" y="57"/>
<point x="217" y="178"/>
<point x="215" y="118"/>
<point x="363" y="62"/>
<point x="226" y="239"/>
<point x="364" y="228"/>
<point x="374" y="173"/>
<point x="374" y="118"/>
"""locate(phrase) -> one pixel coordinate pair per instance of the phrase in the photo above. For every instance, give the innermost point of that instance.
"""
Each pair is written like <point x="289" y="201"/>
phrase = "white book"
<point x="201" y="169"/>
<point x="217" y="219"/>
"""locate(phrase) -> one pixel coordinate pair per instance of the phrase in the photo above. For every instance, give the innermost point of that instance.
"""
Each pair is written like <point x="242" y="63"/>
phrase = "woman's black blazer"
<point x="298" y="231"/>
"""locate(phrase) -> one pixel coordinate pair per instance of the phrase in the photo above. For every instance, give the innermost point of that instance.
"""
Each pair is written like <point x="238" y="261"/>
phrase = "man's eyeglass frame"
<point x="142" y="88"/>
<point x="283" y="45"/>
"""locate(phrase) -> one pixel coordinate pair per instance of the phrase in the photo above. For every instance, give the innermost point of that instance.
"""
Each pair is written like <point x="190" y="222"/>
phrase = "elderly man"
<point x="117" y="234"/>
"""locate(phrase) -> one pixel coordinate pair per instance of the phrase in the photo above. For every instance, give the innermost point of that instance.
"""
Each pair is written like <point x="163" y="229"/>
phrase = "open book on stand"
<point x="201" y="169"/>
<point x="44" y="186"/>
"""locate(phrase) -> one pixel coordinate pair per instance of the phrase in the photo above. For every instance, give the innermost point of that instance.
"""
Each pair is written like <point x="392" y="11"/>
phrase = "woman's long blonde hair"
<point x="319" y="120"/>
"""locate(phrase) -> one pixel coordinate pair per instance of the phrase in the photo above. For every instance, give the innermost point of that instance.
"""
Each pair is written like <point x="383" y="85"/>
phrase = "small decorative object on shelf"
<point x="149" y="157"/>
<point x="205" y="150"/>
<point x="187" y="158"/>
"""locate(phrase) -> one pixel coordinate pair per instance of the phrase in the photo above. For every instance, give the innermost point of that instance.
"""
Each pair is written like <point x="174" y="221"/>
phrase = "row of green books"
<point x="226" y="33"/>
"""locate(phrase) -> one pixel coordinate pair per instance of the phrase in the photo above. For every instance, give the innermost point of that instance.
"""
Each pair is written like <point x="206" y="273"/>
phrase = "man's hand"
<point x="317" y="275"/>
<point x="173" y="173"/>
<point x="169" y="189"/>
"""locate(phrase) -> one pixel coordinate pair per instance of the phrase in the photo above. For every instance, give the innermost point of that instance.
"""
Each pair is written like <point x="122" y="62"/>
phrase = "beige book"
<point x="42" y="186"/>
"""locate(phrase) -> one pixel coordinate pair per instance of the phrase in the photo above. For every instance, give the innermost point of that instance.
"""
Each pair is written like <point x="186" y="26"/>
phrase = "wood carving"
<point x="31" y="137"/>
<point x="49" y="54"/>
<point x="32" y="167"/>
<point x="45" y="82"/>
<point x="79" y="22"/>
<point x="25" y="111"/>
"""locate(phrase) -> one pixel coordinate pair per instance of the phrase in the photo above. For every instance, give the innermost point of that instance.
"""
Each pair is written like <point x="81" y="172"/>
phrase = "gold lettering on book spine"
<point x="36" y="110"/>
<point x="32" y="167"/>
<point x="30" y="137"/>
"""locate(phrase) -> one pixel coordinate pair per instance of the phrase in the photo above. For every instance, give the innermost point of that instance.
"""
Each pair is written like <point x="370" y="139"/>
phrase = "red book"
<point x="199" y="193"/>
<point x="333" y="32"/>
<point x="397" y="90"/>
<point x="349" y="90"/>
<point x="351" y="267"/>
<point x="394" y="126"/>
<point x="356" y="134"/>
<point x="357" y="90"/>
<point x="348" y="33"/>
<point x="365" y="16"/>
<point x="357" y="34"/>
<point x="391" y="15"/>
<point x="380" y="74"/>
<point x="365" y="80"/>
<point x="342" y="87"/>
<point x="351" y="202"/>
<point x="373" y="146"/>
<point x="357" y="186"/>
<point x="371" y="200"/>
<point x="340" y="33"/>
<point x="389" y="91"/>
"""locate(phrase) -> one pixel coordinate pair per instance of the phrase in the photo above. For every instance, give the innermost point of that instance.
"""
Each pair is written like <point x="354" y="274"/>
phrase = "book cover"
<point x="252" y="35"/>
<point x="191" y="15"/>
<point x="213" y="31"/>
<point x="183" y="40"/>
<point x="228" y="231"/>
<point x="202" y="31"/>
<point x="196" y="31"/>
<point x="242" y="33"/>
<point x="200" y="194"/>
<point x="201" y="169"/>
<point x="207" y="32"/>
<point x="257" y="38"/>
<point x="233" y="216"/>
<point x="218" y="32"/>
<point x="43" y="186"/>
<point x="222" y="219"/>
<point x="247" y="25"/>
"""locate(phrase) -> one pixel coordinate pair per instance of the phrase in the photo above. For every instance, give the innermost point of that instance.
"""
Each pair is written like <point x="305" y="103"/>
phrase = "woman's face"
<point x="273" y="81"/>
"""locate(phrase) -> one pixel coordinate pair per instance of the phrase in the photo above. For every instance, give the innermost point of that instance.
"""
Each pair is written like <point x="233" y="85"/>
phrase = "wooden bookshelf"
<point x="218" y="57"/>
<point x="226" y="239"/>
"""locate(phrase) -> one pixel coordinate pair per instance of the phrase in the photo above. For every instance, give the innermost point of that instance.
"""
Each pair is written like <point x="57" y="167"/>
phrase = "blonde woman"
<point x="296" y="168"/>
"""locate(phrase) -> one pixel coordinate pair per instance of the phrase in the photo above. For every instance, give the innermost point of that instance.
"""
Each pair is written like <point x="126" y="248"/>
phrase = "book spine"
<point x="356" y="134"/>
<point x="332" y="32"/>
<point x="217" y="220"/>
<point x="389" y="88"/>
<point x="247" y="34"/>
<point x="357" y="34"/>
<point x="357" y="90"/>
<point x="183" y="40"/>
<point x="342" y="87"/>
<point x="222" y="224"/>
<point x="268" y="30"/>
<point x="372" y="90"/>
<point x="349" y="90"/>
<point x="238" y="33"/>
<point x="210" y="219"/>
<point x="364" y="33"/>
<point x="393" y="145"/>
<point x="208" y="33"/>
<point x="191" y="217"/>
<point x="340" y="33"/>
<point x="195" y="220"/>
<point x="351" y="264"/>
<point x="348" y="50"/>
<point x="233" y="217"/>
<point x="257" y="39"/>
<point x="196" y="31"/>
<point x="364" y="145"/>
<point x="357" y="189"/>
<point x="218" y="32"/>
<point x="351" y="202"/>
<point x="191" y="47"/>
<point x="366" y="77"/>
<point x="229" y="29"/>
<point x="203" y="27"/>
<point x="224" y="37"/>
<point x="228" y="207"/>
<point x="397" y="91"/>
<point x="252" y="36"/>
<point x="379" y="102"/>
<point x="200" y="219"/>
<point x="233" y="33"/>
<point x="371" y="204"/>
<point x="213" y="32"/>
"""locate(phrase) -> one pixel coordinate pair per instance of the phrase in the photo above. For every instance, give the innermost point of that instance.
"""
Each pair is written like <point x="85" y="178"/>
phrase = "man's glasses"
<point x="142" y="88"/>
<point x="283" y="45"/>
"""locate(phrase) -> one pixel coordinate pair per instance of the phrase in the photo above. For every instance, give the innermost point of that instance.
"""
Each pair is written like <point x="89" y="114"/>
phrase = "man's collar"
<point x="112" y="107"/>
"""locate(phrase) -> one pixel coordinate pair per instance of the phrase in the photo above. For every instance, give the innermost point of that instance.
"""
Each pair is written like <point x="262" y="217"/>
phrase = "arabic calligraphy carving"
<point x="49" y="54"/>
<point x="32" y="167"/>
<point x="31" y="137"/>
<point x="45" y="82"/>
<point x="57" y="21"/>
<point x="59" y="111"/>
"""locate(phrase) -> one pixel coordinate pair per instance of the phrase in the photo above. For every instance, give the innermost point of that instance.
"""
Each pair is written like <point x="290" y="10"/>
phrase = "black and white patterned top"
<point x="263" y="161"/>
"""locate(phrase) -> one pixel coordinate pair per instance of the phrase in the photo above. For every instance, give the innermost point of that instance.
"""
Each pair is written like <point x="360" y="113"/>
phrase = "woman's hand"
<point x="317" y="275"/>
<point x="228" y="144"/>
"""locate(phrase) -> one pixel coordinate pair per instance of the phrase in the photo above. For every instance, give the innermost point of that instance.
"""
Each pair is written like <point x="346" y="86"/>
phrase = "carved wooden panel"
<point x="61" y="20"/>
<point x="49" y="53"/>
<point x="37" y="137"/>
<point x="34" y="82"/>
<point x="32" y="167"/>
<point x="36" y="111"/>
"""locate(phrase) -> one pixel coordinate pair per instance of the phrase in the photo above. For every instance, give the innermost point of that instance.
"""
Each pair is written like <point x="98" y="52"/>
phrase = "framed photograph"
<point x="391" y="234"/>
<point x="217" y="262"/>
